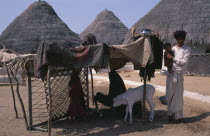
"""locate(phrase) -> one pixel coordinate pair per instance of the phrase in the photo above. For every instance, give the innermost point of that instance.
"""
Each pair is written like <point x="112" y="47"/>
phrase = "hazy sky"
<point x="78" y="14"/>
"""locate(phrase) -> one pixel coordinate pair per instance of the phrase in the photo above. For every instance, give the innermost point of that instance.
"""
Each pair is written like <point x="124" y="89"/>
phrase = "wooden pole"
<point x="29" y="99"/>
<point x="91" y="74"/>
<point x="144" y="95"/>
<point x="50" y="102"/>
<point x="88" y="105"/>
<point x="13" y="94"/>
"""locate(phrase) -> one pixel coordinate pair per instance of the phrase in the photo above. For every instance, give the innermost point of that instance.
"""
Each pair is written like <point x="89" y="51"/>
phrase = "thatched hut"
<point x="171" y="15"/>
<point x="107" y="28"/>
<point x="39" y="22"/>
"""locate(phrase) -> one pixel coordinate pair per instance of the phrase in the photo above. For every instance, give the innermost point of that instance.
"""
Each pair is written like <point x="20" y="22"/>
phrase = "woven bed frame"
<point x="48" y="99"/>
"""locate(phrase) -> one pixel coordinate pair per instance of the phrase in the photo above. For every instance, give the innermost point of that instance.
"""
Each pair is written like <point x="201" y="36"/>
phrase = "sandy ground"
<point x="196" y="84"/>
<point x="197" y="115"/>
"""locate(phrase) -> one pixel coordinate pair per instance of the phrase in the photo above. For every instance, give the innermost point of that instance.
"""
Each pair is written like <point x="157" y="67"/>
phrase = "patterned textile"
<point x="84" y="56"/>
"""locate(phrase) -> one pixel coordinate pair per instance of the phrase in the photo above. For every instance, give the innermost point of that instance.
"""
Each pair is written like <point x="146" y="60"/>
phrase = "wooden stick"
<point x="29" y="100"/>
<point x="144" y="95"/>
<point x="87" y="84"/>
<point x="13" y="94"/>
<point x="21" y="102"/>
<point x="50" y="102"/>
<point x="91" y="74"/>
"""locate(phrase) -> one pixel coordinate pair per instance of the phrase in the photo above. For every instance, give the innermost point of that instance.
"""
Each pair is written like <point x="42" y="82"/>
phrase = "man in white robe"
<point x="174" y="81"/>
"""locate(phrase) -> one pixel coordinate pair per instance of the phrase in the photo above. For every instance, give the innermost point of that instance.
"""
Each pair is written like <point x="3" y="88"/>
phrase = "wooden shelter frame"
<point x="51" y="92"/>
<point x="48" y="100"/>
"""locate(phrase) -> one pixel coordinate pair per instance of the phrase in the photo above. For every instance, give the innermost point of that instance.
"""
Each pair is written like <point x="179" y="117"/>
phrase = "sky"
<point x="78" y="14"/>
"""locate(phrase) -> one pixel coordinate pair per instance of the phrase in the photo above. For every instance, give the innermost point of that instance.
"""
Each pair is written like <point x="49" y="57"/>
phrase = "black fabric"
<point x="50" y="54"/>
<point x="116" y="87"/>
<point x="136" y="38"/>
<point x="150" y="72"/>
<point x="157" y="46"/>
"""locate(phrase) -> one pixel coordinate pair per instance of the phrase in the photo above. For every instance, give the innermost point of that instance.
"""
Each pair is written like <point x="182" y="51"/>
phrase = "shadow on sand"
<point x="113" y="125"/>
<point x="196" y="118"/>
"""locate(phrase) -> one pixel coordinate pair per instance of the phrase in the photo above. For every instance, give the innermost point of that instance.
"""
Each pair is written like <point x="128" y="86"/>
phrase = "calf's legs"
<point x="130" y="112"/>
<point x="152" y="107"/>
<point x="126" y="114"/>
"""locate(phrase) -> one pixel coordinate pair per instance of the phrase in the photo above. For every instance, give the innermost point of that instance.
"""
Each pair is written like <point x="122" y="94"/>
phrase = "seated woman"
<point x="116" y="87"/>
<point x="76" y="107"/>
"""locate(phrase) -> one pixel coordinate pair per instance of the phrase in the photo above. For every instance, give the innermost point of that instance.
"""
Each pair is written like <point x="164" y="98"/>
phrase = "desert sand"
<point x="196" y="122"/>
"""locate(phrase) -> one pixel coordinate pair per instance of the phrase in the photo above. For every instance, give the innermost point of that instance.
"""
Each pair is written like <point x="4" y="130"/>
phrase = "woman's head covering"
<point x="89" y="39"/>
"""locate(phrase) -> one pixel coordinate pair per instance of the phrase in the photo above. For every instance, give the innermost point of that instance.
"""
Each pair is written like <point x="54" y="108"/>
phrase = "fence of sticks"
<point x="48" y="98"/>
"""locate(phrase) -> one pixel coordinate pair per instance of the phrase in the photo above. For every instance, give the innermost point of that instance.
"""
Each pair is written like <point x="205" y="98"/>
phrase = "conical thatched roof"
<point x="37" y="23"/>
<point x="193" y="16"/>
<point x="107" y="28"/>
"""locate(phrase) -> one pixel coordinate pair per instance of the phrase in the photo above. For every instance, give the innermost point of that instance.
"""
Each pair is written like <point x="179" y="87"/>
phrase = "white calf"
<point x="131" y="96"/>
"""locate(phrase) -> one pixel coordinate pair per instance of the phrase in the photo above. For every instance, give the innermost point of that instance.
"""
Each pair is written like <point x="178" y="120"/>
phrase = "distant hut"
<point x="167" y="16"/>
<point x="107" y="28"/>
<point x="37" y="23"/>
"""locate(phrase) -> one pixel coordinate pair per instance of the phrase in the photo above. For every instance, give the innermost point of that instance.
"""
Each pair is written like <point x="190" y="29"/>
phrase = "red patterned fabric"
<point x="76" y="95"/>
<point x="75" y="109"/>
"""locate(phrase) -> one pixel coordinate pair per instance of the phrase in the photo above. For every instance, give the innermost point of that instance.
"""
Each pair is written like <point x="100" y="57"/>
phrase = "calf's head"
<point x="119" y="100"/>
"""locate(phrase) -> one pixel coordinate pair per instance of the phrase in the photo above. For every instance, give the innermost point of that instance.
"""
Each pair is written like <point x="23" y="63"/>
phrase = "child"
<point x="168" y="62"/>
<point x="76" y="108"/>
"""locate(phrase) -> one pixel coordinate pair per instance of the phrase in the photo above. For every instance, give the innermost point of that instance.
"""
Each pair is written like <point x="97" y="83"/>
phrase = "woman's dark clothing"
<point x="76" y="107"/>
<point x="116" y="87"/>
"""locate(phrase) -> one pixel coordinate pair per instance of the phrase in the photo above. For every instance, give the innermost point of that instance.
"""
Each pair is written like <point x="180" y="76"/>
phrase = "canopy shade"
<point x="139" y="52"/>
<point x="52" y="54"/>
